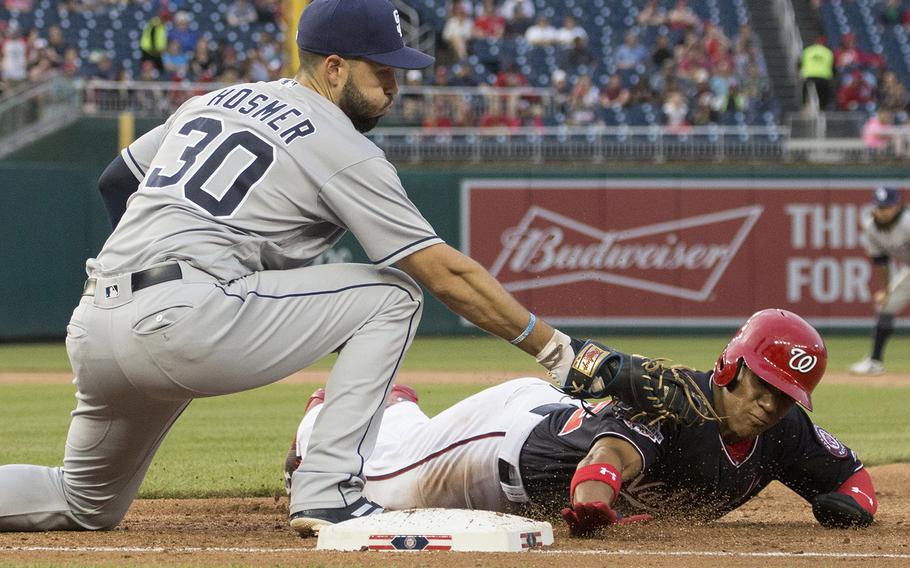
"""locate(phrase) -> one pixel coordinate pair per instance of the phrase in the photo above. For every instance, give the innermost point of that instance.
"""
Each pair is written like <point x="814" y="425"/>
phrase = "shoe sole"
<point x="308" y="526"/>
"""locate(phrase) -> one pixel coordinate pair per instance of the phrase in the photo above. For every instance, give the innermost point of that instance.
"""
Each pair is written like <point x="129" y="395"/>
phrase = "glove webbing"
<point x="655" y="369"/>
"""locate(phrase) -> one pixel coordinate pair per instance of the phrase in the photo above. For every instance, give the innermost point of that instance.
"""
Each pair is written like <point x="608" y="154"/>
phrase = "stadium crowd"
<point x="667" y="64"/>
<point x="169" y="41"/>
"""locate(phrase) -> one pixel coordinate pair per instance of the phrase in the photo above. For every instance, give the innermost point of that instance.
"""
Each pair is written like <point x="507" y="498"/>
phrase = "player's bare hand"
<point x="587" y="518"/>
<point x="880" y="297"/>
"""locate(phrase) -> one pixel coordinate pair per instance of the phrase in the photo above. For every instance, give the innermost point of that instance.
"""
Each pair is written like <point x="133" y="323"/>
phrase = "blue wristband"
<point x="524" y="334"/>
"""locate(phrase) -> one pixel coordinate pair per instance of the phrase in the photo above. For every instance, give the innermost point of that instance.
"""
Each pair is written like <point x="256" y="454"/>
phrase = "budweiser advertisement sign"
<point x="674" y="252"/>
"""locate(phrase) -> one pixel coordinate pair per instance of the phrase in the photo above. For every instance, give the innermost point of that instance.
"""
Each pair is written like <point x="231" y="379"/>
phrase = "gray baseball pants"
<point x="140" y="359"/>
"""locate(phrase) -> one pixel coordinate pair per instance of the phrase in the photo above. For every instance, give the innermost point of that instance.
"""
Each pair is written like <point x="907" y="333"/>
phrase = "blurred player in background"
<point x="887" y="238"/>
<point x="525" y="447"/>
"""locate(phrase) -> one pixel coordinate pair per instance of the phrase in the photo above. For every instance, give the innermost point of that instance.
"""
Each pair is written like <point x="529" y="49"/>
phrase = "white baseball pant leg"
<point x="140" y="359"/>
<point x="450" y="460"/>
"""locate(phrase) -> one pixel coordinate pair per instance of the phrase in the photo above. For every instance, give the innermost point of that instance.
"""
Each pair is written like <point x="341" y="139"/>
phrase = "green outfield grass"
<point x="490" y="354"/>
<point x="235" y="445"/>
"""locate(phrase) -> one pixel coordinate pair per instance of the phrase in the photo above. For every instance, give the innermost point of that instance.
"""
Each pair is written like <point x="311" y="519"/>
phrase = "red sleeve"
<point x="859" y="487"/>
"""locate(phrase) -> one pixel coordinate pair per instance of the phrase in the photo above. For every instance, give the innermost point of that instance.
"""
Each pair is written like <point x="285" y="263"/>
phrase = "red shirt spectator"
<point x="855" y="93"/>
<point x="489" y="24"/>
<point x="848" y="54"/>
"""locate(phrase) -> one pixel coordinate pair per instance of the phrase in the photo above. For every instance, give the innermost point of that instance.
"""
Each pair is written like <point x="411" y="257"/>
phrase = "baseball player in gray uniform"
<point x="205" y="287"/>
<point x="887" y="240"/>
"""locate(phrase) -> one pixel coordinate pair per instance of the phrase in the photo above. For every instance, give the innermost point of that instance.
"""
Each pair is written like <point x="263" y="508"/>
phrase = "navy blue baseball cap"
<point x="886" y="196"/>
<point x="361" y="29"/>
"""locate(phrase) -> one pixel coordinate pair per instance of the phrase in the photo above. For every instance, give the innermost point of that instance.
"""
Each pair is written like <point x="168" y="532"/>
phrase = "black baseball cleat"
<point x="308" y="521"/>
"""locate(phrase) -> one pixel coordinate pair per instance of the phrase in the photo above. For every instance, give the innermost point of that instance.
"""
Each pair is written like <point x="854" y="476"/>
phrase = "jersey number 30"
<point x="197" y="188"/>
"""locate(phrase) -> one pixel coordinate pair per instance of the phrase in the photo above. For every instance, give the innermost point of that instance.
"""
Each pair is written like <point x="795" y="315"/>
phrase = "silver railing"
<point x="36" y="111"/>
<point x="598" y="144"/>
<point x="790" y="37"/>
<point x="51" y="105"/>
<point x="413" y="104"/>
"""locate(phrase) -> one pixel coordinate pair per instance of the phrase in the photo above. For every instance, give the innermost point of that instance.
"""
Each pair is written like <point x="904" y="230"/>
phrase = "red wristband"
<point x="603" y="472"/>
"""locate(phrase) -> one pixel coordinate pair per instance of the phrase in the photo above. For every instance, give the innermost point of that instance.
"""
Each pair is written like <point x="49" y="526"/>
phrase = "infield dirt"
<point x="775" y="529"/>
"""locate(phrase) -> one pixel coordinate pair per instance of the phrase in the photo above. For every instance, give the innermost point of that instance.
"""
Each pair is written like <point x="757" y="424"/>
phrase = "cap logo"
<point x="802" y="361"/>
<point x="397" y="22"/>
<point x="881" y="194"/>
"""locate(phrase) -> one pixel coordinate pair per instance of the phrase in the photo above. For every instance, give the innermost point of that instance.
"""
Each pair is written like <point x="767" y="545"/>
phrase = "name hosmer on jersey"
<point x="266" y="109"/>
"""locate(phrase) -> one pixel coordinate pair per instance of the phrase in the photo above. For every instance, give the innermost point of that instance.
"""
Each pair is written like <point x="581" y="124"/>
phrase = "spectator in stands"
<point x="489" y="24"/>
<point x="717" y="46"/>
<point x="662" y="51"/>
<point x="755" y="89"/>
<point x="41" y="65"/>
<point x="103" y="68"/>
<point x="15" y="56"/>
<point x="72" y="64"/>
<point x="511" y="76"/>
<point x="704" y="113"/>
<point x="681" y="17"/>
<point x="562" y="92"/>
<point x="39" y="48"/>
<point x="583" y="102"/>
<point x="509" y="6"/>
<point x="498" y="115"/>
<point x="576" y="56"/>
<point x="270" y="49"/>
<point x="855" y="92"/>
<point x="153" y="41"/>
<point x="892" y="94"/>
<point x="652" y="14"/>
<point x="640" y="92"/>
<point x="848" y="55"/>
<point x="268" y="11"/>
<point x="816" y="66"/>
<point x="890" y="13"/>
<point x="541" y="33"/>
<point x="18" y="5"/>
<point x="437" y="115"/>
<point x="202" y="66"/>
<point x="877" y="134"/>
<point x="241" y="12"/>
<point x="518" y="24"/>
<point x="175" y="61"/>
<point x="630" y="54"/>
<point x="463" y="76"/>
<point x="56" y="40"/>
<point x="691" y="59"/>
<point x="614" y="94"/>
<point x="565" y="36"/>
<point x="721" y="83"/>
<point x="182" y="32"/>
<point x="230" y="69"/>
<point x="463" y="113"/>
<point x="441" y="76"/>
<point x="257" y="68"/>
<point x="676" y="112"/>
<point x="457" y="31"/>
<point x="664" y="80"/>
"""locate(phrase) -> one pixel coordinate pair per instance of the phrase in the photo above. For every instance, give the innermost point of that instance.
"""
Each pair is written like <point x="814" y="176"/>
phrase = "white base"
<point x="437" y="529"/>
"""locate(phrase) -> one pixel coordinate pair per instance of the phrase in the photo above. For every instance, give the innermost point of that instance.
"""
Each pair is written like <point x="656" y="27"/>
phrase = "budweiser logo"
<point x="550" y="249"/>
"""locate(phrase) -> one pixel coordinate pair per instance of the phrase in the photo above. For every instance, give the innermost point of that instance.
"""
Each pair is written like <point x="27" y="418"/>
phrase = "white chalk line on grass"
<point x="668" y="553"/>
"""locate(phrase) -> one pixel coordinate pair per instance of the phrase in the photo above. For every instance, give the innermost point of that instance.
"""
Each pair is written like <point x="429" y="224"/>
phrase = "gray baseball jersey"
<point x="260" y="177"/>
<point x="893" y="243"/>
<point x="241" y="189"/>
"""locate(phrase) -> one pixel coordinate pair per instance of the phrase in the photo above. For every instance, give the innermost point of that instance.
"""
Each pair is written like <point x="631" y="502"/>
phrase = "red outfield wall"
<point x="674" y="252"/>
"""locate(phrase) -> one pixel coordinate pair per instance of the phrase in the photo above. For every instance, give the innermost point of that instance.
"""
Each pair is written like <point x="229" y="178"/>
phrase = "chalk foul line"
<point x="620" y="552"/>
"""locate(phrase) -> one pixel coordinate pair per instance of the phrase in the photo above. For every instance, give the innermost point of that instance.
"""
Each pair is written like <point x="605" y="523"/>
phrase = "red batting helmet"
<point x="781" y="348"/>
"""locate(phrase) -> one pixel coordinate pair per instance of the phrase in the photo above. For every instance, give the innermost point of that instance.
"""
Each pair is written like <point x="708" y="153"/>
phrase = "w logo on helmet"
<point x="802" y="361"/>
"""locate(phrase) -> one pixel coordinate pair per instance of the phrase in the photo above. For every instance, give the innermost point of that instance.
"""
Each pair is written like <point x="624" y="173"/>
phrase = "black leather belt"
<point x="142" y="279"/>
